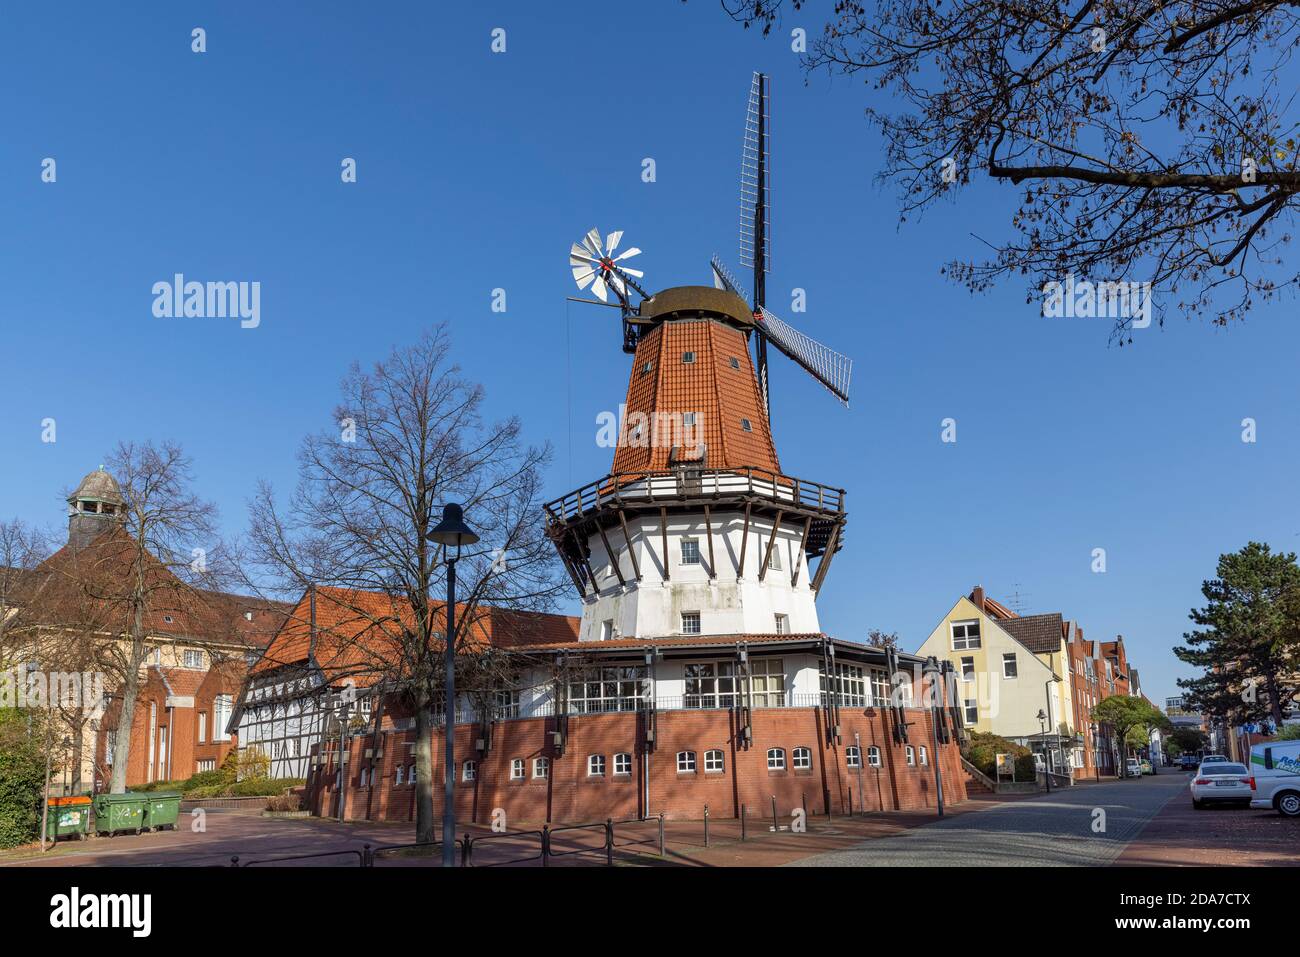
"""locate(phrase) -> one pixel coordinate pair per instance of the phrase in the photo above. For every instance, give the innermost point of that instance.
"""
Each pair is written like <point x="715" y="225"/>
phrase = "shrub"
<point x="206" y="779"/>
<point x="983" y="748"/>
<point x="284" y="802"/>
<point x="260" y="787"/>
<point x="22" y="777"/>
<point x="250" y="762"/>
<point x="1026" y="768"/>
<point x="205" y="791"/>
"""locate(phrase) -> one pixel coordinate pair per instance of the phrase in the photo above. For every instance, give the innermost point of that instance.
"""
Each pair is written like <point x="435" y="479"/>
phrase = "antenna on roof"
<point x="1016" y="601"/>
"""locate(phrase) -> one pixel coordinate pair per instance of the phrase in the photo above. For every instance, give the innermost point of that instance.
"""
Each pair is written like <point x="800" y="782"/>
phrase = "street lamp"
<point x="1042" y="735"/>
<point x="936" y="695"/>
<point x="452" y="530"/>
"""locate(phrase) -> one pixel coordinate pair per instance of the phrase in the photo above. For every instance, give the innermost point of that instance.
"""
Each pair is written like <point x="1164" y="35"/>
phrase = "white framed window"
<point x="220" y="716"/>
<point x="873" y="756"/>
<point x="783" y="624"/>
<point x="607" y="630"/>
<point x="689" y="419"/>
<point x="648" y="367"/>
<point x="688" y="356"/>
<point x="911" y="756"/>
<point x="966" y="634"/>
<point x="690" y="551"/>
<point x="925" y="756"/>
<point x="967" y="669"/>
<point x="410" y="773"/>
<point x="776" y="759"/>
<point x="972" y="709"/>
<point x="208" y="765"/>
<point x="710" y="684"/>
<point x="774" y="563"/>
<point x="601" y="690"/>
<point x="203" y="726"/>
<point x="193" y="658"/>
<point x="685" y="762"/>
<point x="400" y="775"/>
<point x="365" y="777"/>
<point x="505" y="703"/>
<point x="801" y="759"/>
<point x="595" y="765"/>
<point x="517" y="769"/>
<point x="1009" y="665"/>
<point x="690" y="623"/>
<point x="541" y="767"/>
<point x="852" y="757"/>
<point x="733" y="362"/>
<point x="850" y="685"/>
<point x="767" y="677"/>
<point x="470" y="771"/>
<point x="622" y="764"/>
<point x="713" y="762"/>
<point x="746" y="425"/>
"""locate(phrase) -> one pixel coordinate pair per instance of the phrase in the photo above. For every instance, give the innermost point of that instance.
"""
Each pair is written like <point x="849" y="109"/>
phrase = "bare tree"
<point x="411" y="437"/>
<point x="136" y="585"/>
<point x="1150" y="140"/>
<point x="22" y="549"/>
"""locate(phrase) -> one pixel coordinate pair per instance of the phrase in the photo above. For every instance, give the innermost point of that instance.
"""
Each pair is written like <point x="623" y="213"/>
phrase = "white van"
<point x="1275" y="776"/>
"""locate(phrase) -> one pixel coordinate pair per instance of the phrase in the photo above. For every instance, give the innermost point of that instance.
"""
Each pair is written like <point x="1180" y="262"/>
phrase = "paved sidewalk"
<point x="1046" y="829"/>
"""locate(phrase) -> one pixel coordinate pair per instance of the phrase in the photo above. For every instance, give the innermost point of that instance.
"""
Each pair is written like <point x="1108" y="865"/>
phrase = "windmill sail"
<point x="755" y="180"/>
<point x="825" y="365"/>
<point x="723" y="279"/>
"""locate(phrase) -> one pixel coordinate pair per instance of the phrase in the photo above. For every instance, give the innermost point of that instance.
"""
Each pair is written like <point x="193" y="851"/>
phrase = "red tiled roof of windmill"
<point x="719" y="395"/>
<point x="57" y="591"/>
<point x="357" y="632"/>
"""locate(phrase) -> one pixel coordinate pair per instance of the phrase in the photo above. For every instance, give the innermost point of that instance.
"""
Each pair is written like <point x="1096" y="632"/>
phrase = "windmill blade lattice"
<point x="755" y="179"/>
<point x="824" y="364"/>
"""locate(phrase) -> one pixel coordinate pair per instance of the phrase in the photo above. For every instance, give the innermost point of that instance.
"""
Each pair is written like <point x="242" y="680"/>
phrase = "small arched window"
<point x="713" y="762"/>
<point x="873" y="756"/>
<point x="685" y="762"/>
<point x="802" y="759"/>
<point x="776" y="759"/>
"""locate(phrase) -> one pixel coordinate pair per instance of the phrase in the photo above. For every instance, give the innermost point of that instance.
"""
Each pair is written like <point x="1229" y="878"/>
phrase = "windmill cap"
<point x="99" y="486"/>
<point x="693" y="301"/>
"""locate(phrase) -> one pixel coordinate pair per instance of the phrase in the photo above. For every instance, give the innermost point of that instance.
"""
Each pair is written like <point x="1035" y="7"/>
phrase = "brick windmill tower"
<point x="697" y="529"/>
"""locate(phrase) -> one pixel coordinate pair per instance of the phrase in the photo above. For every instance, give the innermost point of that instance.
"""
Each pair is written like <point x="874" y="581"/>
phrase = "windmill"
<point x="827" y="366"/>
<point x="596" y="266"/>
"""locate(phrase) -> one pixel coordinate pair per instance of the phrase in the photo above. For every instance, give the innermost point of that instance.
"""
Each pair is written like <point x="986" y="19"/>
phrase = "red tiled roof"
<point x="88" y="587"/>
<point x="182" y="682"/>
<point x="720" y="397"/>
<point x="358" y="633"/>
<point x="1039" y="633"/>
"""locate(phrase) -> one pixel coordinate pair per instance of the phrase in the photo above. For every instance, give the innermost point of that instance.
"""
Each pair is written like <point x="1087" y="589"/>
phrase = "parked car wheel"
<point x="1198" y="805"/>
<point x="1288" y="802"/>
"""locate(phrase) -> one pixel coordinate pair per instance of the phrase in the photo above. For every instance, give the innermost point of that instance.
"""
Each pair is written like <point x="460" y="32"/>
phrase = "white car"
<point x="1133" y="769"/>
<point x="1210" y="758"/>
<point x="1221" y="782"/>
<point x="1275" y="777"/>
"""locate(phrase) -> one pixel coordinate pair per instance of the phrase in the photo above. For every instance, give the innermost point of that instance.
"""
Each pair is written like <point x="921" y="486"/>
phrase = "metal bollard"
<point x="775" y="824"/>
<point x="661" y="833"/>
<point x="742" y="822"/>
<point x="609" y="841"/>
<point x="466" y="850"/>
<point x="706" y="825"/>
<point x="234" y="860"/>
<point x="546" y="844"/>
<point x="367" y="856"/>
<point x="850" y="802"/>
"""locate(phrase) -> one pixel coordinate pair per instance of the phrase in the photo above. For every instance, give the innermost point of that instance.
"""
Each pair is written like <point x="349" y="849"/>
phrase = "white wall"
<point x="730" y="603"/>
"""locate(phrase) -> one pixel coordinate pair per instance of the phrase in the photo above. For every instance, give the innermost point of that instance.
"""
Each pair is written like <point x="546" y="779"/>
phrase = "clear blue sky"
<point x="476" y="171"/>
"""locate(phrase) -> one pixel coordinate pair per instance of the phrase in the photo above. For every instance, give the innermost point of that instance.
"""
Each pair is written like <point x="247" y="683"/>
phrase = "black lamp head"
<point x="452" y="530"/>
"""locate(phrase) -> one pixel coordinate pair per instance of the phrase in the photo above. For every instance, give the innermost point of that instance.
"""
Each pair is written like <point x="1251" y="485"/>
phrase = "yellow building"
<point x="1012" y="669"/>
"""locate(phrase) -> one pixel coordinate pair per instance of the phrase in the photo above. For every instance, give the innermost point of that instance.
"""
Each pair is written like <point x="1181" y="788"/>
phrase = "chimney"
<point x="977" y="596"/>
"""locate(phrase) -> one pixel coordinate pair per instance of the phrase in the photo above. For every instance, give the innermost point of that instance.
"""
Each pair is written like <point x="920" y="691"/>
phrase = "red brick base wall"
<point x="569" y="794"/>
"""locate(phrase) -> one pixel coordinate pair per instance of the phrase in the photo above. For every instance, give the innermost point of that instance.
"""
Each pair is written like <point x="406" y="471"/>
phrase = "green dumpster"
<point x="68" y="816"/>
<point x="119" y="812"/>
<point x="161" y="809"/>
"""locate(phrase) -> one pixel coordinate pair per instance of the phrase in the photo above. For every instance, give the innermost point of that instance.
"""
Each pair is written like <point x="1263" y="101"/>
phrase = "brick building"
<point x="70" y="614"/>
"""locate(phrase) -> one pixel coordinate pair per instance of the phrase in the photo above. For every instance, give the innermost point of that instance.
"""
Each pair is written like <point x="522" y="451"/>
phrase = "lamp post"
<point x="1042" y="733"/>
<point x="452" y="530"/>
<point x="936" y="695"/>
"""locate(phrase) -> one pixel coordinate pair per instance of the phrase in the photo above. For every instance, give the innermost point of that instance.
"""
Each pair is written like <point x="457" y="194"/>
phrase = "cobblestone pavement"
<point x="1055" y="829"/>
